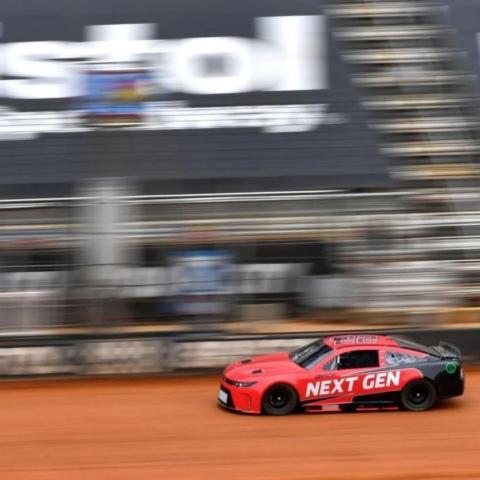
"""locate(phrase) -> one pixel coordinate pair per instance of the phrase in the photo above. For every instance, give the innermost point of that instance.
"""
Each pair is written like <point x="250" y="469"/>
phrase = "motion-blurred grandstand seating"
<point x="113" y="254"/>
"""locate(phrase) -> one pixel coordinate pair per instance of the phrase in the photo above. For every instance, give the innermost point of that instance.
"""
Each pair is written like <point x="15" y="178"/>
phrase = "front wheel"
<point x="418" y="395"/>
<point x="279" y="400"/>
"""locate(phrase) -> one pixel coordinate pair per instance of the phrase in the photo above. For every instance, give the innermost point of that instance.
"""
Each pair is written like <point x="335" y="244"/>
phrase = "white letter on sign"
<point x="301" y="41"/>
<point x="380" y="380"/>
<point x="369" y="381"/>
<point x="393" y="378"/>
<point x="337" y="385"/>
<point x="351" y="381"/>
<point x="44" y="76"/>
<point x="234" y="54"/>
<point x="313" y="389"/>
<point x="325" y="388"/>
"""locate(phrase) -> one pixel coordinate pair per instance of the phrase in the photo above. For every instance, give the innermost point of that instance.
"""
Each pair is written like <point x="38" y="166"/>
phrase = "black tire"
<point x="347" y="407"/>
<point x="279" y="399"/>
<point x="418" y="395"/>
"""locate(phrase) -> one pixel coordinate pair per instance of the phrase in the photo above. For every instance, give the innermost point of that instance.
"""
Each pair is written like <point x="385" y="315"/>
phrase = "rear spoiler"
<point x="447" y="350"/>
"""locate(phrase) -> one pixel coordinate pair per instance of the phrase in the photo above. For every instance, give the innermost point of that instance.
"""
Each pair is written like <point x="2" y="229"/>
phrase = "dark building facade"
<point x="180" y="95"/>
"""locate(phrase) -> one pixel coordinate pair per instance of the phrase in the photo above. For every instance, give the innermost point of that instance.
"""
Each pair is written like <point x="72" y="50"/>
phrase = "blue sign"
<point x="116" y="93"/>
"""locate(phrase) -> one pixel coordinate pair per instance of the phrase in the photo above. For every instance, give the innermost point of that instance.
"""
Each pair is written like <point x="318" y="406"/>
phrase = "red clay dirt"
<point x="171" y="428"/>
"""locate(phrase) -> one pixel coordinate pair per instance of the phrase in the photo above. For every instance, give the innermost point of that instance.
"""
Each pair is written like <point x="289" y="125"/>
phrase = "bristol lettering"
<point x="292" y="48"/>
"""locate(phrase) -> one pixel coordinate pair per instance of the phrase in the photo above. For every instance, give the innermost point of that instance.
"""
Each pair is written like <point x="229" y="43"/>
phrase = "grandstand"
<point x="372" y="215"/>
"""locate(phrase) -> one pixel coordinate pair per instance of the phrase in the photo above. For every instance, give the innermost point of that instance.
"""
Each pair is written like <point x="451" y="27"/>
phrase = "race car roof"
<point x="351" y="340"/>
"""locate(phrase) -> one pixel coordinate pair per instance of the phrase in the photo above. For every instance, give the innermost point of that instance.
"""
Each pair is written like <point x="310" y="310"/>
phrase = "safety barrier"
<point x="154" y="354"/>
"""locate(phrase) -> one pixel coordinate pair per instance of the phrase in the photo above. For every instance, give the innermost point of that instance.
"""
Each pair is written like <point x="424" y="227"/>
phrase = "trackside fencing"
<point x="153" y="354"/>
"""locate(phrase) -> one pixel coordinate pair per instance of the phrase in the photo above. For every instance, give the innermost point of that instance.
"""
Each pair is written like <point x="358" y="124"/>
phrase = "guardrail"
<point x="160" y="354"/>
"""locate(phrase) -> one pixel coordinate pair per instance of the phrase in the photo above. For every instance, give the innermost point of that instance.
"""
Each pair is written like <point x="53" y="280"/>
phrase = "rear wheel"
<point x="279" y="400"/>
<point x="418" y="395"/>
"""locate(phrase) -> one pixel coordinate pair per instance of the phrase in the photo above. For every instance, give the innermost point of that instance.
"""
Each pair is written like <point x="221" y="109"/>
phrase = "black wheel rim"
<point x="278" y="397"/>
<point x="419" y="395"/>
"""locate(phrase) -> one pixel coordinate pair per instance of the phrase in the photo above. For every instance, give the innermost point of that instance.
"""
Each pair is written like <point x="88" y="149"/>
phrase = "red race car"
<point x="351" y="371"/>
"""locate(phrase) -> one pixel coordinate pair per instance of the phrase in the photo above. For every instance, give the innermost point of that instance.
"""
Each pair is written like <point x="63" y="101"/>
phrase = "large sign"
<point x="201" y="92"/>
<point x="292" y="47"/>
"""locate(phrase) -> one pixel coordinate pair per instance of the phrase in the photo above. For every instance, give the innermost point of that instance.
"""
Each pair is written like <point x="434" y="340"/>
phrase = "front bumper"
<point x="239" y="399"/>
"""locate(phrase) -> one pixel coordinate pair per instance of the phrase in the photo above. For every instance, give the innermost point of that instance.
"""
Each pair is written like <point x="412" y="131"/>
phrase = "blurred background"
<point x="178" y="173"/>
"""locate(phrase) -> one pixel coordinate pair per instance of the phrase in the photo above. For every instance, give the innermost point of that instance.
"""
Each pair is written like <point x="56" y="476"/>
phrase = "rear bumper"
<point x="451" y="385"/>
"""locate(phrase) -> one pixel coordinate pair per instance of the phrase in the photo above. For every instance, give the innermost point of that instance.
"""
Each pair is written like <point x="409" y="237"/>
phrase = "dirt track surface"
<point x="172" y="429"/>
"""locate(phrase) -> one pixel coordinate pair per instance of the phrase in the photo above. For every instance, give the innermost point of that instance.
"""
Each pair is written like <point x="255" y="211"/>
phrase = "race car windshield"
<point x="311" y="354"/>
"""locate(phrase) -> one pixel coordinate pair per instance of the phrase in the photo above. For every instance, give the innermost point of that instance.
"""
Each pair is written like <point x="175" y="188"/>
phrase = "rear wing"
<point x="447" y="350"/>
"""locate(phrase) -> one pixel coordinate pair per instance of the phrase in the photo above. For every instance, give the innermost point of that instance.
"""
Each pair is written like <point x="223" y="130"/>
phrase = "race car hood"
<point x="274" y="364"/>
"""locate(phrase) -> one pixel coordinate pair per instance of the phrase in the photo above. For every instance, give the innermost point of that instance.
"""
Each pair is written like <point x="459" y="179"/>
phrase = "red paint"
<point x="317" y="386"/>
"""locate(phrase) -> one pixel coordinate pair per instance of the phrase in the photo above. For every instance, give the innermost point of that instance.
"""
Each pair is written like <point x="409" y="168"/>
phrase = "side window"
<point x="358" y="359"/>
<point x="400" y="358"/>
<point x="331" y="364"/>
